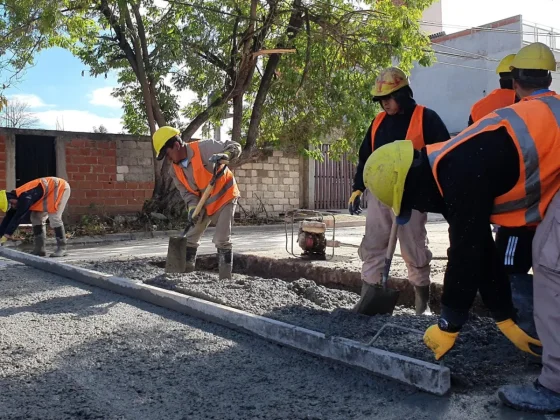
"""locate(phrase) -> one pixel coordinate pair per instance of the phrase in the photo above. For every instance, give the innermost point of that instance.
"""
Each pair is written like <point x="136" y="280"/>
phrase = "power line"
<point x="460" y="65"/>
<point x="540" y="31"/>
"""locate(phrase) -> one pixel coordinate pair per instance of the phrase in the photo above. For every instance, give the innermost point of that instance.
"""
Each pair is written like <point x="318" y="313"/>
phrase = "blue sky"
<point x="55" y="89"/>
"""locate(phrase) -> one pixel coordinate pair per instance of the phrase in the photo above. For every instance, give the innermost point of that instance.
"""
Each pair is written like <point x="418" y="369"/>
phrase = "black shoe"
<point x="225" y="263"/>
<point x="534" y="398"/>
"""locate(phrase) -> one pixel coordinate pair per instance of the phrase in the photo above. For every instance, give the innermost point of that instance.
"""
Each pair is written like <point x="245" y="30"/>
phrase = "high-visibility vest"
<point x="224" y="191"/>
<point x="415" y="131"/>
<point x="53" y="188"/>
<point x="533" y="124"/>
<point x="498" y="98"/>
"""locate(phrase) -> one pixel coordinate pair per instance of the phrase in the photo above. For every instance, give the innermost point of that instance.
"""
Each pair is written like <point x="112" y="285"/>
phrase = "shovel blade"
<point x="176" y="255"/>
<point x="377" y="300"/>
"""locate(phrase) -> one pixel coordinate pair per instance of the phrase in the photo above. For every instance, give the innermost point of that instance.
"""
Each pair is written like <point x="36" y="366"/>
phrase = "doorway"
<point x="35" y="158"/>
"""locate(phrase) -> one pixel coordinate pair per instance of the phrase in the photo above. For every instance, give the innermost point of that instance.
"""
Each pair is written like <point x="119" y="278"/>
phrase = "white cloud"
<point x="75" y="120"/>
<point x="103" y="97"/>
<point x="30" y="99"/>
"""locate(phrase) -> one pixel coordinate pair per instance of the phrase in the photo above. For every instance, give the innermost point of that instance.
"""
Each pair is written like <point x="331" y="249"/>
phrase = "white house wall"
<point x="451" y="89"/>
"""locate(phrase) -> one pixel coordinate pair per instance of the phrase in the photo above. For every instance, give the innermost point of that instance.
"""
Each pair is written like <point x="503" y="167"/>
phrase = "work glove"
<point x="3" y="240"/>
<point x="518" y="337"/>
<point x="218" y="157"/>
<point x="354" y="203"/>
<point x="438" y="341"/>
<point x="190" y="215"/>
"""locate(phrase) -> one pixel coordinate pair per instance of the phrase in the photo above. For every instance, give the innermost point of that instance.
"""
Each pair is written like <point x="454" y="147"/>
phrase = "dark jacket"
<point x="471" y="176"/>
<point x="13" y="217"/>
<point x="395" y="127"/>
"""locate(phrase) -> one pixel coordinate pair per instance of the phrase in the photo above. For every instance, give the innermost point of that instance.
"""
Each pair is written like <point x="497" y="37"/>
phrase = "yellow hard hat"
<point x="503" y="67"/>
<point x="385" y="172"/>
<point x="389" y="81"/>
<point x="162" y="136"/>
<point x="3" y="201"/>
<point x="535" y="56"/>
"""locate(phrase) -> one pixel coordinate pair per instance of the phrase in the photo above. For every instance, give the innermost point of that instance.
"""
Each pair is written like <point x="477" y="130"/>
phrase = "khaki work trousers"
<point x="223" y="219"/>
<point x="546" y="293"/>
<point x="412" y="239"/>
<point x="39" y="218"/>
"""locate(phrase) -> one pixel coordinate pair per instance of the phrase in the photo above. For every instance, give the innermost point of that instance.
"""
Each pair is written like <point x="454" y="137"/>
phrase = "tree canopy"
<point x="291" y="73"/>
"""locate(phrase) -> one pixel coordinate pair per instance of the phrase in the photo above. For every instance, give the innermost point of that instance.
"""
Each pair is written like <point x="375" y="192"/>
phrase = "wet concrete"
<point x="482" y="359"/>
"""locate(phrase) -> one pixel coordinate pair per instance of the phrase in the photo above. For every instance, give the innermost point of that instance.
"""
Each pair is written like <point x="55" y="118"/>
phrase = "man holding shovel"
<point x="192" y="168"/>
<point x="401" y="118"/>
<point x="504" y="169"/>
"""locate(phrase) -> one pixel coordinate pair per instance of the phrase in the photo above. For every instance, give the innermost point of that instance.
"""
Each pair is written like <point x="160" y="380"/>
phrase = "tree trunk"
<point x="294" y="27"/>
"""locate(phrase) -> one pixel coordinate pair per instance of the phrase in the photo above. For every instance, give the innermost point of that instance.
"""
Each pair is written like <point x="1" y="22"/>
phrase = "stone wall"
<point x="275" y="184"/>
<point x="134" y="161"/>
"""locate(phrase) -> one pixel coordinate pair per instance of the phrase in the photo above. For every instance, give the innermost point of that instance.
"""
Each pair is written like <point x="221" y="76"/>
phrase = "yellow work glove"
<point x="3" y="240"/>
<point x="354" y="203"/>
<point x="353" y="197"/>
<point x="438" y="341"/>
<point x="190" y="213"/>
<point x="518" y="337"/>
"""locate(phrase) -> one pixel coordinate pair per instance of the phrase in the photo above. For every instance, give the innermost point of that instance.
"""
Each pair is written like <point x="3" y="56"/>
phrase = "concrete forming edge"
<point x="426" y="376"/>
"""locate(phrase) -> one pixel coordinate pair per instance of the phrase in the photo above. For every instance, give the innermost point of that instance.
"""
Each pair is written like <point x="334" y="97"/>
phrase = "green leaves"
<point x="319" y="93"/>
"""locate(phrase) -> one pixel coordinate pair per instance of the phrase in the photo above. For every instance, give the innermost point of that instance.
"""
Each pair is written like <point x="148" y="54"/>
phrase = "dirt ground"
<point x="482" y="359"/>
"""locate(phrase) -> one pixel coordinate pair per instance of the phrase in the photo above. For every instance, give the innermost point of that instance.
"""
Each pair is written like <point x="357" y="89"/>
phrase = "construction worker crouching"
<point x="191" y="169"/>
<point x="504" y="169"/>
<point x="44" y="198"/>
<point x="401" y="118"/>
<point x="514" y="244"/>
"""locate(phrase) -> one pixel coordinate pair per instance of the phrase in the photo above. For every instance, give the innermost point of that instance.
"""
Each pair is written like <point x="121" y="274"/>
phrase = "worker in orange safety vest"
<point x="44" y="198"/>
<point x="401" y="118"/>
<point x="504" y="169"/>
<point x="514" y="244"/>
<point x="191" y="170"/>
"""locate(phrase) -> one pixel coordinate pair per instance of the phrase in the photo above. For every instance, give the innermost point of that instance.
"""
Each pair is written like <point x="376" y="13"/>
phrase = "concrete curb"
<point x="426" y="376"/>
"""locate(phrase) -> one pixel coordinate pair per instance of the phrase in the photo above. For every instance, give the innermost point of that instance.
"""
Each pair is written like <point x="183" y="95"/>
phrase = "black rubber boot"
<point x="39" y="239"/>
<point x="225" y="263"/>
<point x="534" y="398"/>
<point x="365" y="299"/>
<point x="421" y="299"/>
<point x="60" y="242"/>
<point x="191" y="259"/>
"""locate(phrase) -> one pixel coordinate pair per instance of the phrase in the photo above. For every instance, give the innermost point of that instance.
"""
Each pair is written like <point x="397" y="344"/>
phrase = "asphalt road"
<point x="68" y="351"/>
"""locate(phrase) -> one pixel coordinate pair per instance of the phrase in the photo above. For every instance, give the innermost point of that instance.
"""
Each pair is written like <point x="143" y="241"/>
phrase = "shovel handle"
<point x="390" y="253"/>
<point x="217" y="173"/>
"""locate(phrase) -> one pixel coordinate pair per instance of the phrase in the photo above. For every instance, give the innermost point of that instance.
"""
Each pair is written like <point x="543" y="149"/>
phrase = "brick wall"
<point x="99" y="184"/>
<point x="275" y="182"/>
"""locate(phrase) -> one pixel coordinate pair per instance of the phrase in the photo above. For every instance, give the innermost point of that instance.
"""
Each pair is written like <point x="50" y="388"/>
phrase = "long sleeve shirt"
<point x="395" y="127"/>
<point x="13" y="216"/>
<point x="471" y="176"/>
<point x="207" y="149"/>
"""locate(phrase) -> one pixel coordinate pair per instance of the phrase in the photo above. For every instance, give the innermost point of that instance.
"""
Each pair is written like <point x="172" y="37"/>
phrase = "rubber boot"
<point x="365" y="299"/>
<point x="225" y="263"/>
<point x="60" y="235"/>
<point x="522" y="297"/>
<point x="39" y="239"/>
<point x="421" y="299"/>
<point x="534" y="397"/>
<point x="191" y="259"/>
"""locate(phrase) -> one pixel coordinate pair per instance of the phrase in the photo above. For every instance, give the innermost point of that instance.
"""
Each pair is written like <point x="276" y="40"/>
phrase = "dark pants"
<point x="515" y="248"/>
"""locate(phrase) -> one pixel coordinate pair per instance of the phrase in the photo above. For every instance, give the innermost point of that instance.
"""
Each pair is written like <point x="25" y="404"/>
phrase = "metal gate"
<point x="333" y="181"/>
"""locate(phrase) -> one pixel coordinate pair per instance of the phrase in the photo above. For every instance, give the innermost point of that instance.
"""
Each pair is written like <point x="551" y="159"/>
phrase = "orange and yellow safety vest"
<point x="498" y="98"/>
<point x="224" y="191"/>
<point x="533" y="124"/>
<point x="53" y="188"/>
<point x="415" y="131"/>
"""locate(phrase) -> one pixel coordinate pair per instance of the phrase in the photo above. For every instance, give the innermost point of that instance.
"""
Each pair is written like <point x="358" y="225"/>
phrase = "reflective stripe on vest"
<point x="415" y="131"/>
<point x="53" y="188"/>
<point x="224" y="191"/>
<point x="498" y="98"/>
<point x="539" y="180"/>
